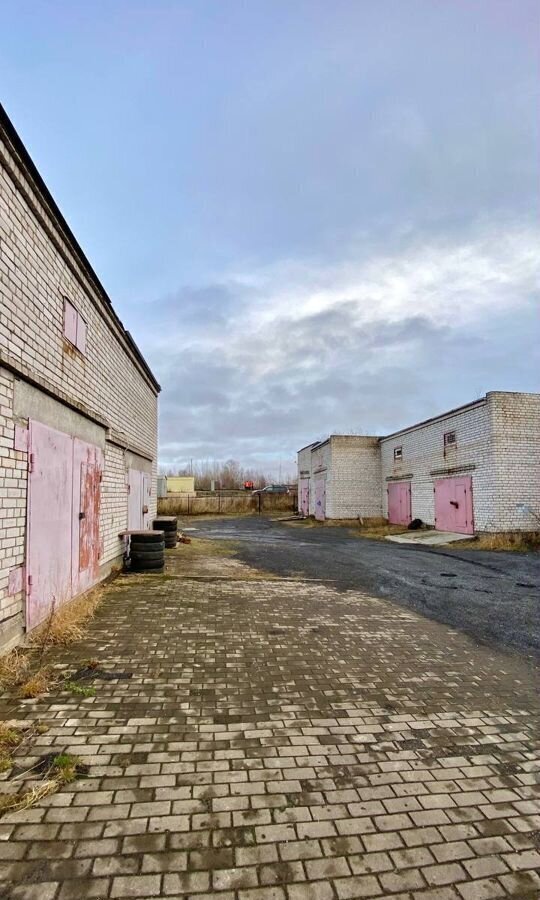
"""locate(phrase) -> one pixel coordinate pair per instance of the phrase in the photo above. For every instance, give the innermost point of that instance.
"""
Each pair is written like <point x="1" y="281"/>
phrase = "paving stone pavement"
<point x="278" y="740"/>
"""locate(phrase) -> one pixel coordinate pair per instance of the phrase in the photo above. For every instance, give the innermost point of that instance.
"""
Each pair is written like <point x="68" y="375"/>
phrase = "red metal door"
<point x="454" y="505"/>
<point x="399" y="502"/>
<point x="303" y="496"/>
<point x="87" y="475"/>
<point x="320" y="498"/>
<point x="48" y="551"/>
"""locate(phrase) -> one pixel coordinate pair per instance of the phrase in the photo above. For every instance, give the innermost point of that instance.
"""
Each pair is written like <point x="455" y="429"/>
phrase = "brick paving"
<point x="278" y="740"/>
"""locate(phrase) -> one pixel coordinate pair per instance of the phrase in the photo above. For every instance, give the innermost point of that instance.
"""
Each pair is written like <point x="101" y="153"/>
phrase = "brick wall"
<point x="515" y="423"/>
<point x="13" y="473"/>
<point x="424" y="458"/>
<point x="497" y="445"/>
<point x="354" y="487"/>
<point x="108" y="385"/>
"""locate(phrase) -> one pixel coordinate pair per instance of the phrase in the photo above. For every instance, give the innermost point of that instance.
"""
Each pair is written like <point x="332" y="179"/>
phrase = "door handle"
<point x="454" y="503"/>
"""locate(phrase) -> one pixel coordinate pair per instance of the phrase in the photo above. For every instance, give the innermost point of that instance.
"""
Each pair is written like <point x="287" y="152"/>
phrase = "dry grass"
<point x="63" y="769"/>
<point x="369" y="528"/>
<point x="516" y="541"/>
<point x="16" y="802"/>
<point x="67" y="623"/>
<point x="23" y="667"/>
<point x="204" y="547"/>
<point x="10" y="738"/>
<point x="39" y="683"/>
<point x="14" y="667"/>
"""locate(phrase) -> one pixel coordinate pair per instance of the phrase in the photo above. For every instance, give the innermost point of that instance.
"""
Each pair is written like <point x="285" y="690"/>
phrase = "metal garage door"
<point x="86" y="544"/>
<point x="303" y="496"/>
<point x="64" y="494"/>
<point x="48" y="555"/>
<point x="454" y="505"/>
<point x="320" y="498"/>
<point x="399" y="502"/>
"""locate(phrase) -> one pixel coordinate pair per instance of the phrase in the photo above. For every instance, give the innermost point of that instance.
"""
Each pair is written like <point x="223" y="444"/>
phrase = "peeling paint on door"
<point x="48" y="555"/>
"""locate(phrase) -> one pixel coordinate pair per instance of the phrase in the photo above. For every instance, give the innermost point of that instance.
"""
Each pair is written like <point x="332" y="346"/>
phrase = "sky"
<point x="313" y="217"/>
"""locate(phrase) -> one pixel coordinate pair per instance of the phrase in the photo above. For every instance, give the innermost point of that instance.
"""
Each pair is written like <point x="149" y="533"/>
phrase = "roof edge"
<point x="49" y="201"/>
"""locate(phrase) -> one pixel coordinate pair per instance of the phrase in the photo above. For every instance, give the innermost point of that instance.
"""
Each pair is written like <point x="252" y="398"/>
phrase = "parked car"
<point x="274" y="489"/>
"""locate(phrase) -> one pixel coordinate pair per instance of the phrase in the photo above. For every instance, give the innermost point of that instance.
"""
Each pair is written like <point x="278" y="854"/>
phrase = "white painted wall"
<point x="106" y="392"/>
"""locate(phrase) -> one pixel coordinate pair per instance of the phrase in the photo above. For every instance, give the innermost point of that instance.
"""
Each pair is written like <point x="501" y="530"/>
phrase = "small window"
<point x="75" y="328"/>
<point x="398" y="454"/>
<point x="449" y="439"/>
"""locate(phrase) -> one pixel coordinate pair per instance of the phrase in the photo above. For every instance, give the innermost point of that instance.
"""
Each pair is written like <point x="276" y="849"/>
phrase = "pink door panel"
<point x="454" y="505"/>
<point x="399" y="502"/>
<point x="87" y="475"/>
<point x="303" y="496"/>
<point x="48" y="554"/>
<point x="320" y="499"/>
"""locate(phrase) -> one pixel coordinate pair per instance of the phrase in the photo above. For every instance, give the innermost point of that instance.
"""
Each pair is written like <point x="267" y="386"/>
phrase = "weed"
<point x="79" y="689"/>
<point x="64" y="768"/>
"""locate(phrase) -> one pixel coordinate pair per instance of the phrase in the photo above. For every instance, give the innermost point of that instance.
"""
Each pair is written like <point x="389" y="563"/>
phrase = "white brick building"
<point x="78" y="408"/>
<point x="475" y="468"/>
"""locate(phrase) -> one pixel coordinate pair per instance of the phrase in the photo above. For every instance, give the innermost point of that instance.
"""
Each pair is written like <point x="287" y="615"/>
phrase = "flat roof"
<point x="27" y="163"/>
<point x="444" y="415"/>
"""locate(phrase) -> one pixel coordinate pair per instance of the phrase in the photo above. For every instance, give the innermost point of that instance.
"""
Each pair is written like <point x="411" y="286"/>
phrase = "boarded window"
<point x="398" y="453"/>
<point x="81" y="334"/>
<point x="70" y="322"/>
<point x="75" y="328"/>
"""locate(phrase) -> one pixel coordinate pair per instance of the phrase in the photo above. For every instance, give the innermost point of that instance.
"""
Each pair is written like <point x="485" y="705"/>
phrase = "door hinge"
<point x="31" y="461"/>
<point x="29" y="583"/>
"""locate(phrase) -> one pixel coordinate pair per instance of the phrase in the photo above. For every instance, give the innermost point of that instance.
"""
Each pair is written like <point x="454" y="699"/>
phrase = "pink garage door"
<point x="303" y="496"/>
<point x="48" y="555"/>
<point x="86" y="544"/>
<point x="454" y="505"/>
<point x="320" y="498"/>
<point x="399" y="502"/>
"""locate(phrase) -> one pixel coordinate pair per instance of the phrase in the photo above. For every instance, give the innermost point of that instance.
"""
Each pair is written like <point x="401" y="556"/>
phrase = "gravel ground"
<point x="492" y="597"/>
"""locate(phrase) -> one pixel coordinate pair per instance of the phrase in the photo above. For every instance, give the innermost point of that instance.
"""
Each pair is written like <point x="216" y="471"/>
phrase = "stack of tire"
<point x="147" y="551"/>
<point x="169" y="526"/>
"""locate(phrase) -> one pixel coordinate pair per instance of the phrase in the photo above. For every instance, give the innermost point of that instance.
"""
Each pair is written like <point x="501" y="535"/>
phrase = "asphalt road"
<point x="492" y="597"/>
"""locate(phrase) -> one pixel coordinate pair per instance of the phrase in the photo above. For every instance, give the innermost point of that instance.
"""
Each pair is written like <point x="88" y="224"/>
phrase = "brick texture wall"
<point x="354" y="488"/>
<point x="515" y="423"/>
<point x="39" y="268"/>
<point x="497" y="445"/>
<point x="424" y="458"/>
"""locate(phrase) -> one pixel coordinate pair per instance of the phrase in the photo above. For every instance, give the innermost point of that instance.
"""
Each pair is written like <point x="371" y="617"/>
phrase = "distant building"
<point x="475" y="468"/>
<point x="180" y="484"/>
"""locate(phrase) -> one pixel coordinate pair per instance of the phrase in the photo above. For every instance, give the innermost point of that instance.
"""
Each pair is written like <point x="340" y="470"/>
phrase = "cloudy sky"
<point x="312" y="215"/>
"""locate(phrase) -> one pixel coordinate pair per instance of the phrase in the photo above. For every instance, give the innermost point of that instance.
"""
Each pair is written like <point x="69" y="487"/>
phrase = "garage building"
<point x="475" y="468"/>
<point x="78" y="409"/>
